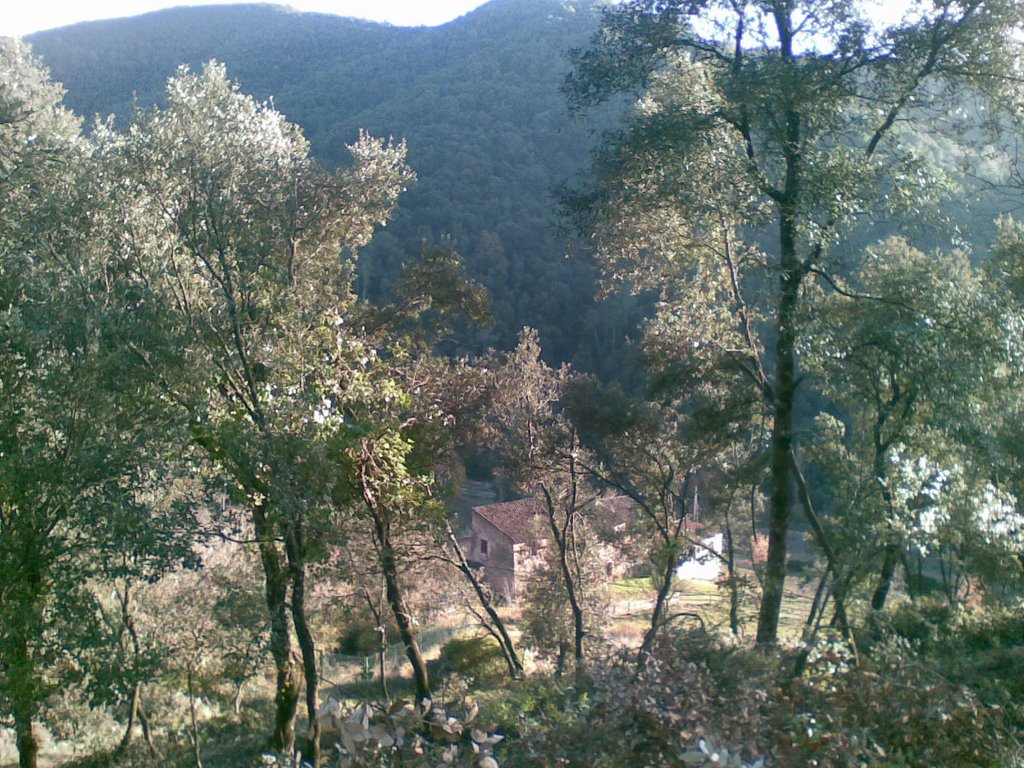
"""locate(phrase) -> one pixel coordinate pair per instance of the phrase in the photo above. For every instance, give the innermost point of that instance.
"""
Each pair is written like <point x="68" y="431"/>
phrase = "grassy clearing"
<point x="225" y="742"/>
<point x="633" y="599"/>
<point x="635" y="588"/>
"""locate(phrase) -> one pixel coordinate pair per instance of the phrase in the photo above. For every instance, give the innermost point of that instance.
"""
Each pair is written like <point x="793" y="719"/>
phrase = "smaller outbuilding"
<point x="704" y="562"/>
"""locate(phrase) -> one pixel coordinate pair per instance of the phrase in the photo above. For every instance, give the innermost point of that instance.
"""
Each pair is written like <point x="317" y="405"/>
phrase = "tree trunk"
<point x="507" y="646"/>
<point x="891" y="555"/>
<point x="147" y="730"/>
<point x="817" y="607"/>
<point x="562" y="540"/>
<point x="783" y="392"/>
<point x="753" y="512"/>
<point x="889" y="562"/>
<point x="236" y="700"/>
<point x="734" y="586"/>
<point x="297" y="566"/>
<point x="28" y="745"/>
<point x="393" y="589"/>
<point x="579" y="633"/>
<point x="913" y="574"/>
<point x="838" y="581"/>
<point x="382" y="664"/>
<point x="647" y="646"/>
<point x="382" y="644"/>
<point x="21" y="683"/>
<point x="197" y="752"/>
<point x="781" y="445"/>
<point x="513" y="673"/>
<point x="133" y="710"/>
<point x="128" y="620"/>
<point x="286" y="693"/>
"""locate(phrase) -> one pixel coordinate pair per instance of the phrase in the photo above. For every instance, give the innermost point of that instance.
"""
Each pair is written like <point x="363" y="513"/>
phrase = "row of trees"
<point x="179" y="325"/>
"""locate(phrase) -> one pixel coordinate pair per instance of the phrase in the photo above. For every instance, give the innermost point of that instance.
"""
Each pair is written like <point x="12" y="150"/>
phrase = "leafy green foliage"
<point x="478" y="660"/>
<point x="539" y="448"/>
<point x="915" y="362"/>
<point x="73" y="502"/>
<point x="790" y="114"/>
<point x="247" y="322"/>
<point x="182" y="307"/>
<point x="547" y="614"/>
<point x="703" y="696"/>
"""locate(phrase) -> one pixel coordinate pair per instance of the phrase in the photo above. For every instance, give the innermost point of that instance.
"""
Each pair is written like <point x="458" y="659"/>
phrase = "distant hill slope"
<point x="477" y="99"/>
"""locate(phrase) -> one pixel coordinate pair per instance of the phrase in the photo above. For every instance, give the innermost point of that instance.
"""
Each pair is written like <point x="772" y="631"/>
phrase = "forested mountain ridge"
<point x="478" y="100"/>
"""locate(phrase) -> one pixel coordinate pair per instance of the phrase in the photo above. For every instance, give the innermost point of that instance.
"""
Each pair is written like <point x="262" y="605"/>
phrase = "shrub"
<point x="401" y="736"/>
<point x="923" y="622"/>
<point x="706" y="700"/>
<point x="904" y="714"/>
<point x="799" y="567"/>
<point x="992" y="628"/>
<point x="671" y="715"/>
<point x="477" y="659"/>
<point x="359" y="639"/>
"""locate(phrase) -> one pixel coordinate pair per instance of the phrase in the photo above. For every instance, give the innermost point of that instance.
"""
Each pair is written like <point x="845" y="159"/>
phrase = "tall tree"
<point x="643" y="451"/>
<point x="233" y="238"/>
<point x="154" y="534"/>
<point x="797" y="107"/>
<point x="401" y="424"/>
<point x="540" y="451"/>
<point x="913" y="362"/>
<point x="70" y="426"/>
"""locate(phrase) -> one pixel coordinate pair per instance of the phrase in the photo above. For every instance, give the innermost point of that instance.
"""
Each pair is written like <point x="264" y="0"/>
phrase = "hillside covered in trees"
<point x="494" y="145"/>
<point x="246" y="370"/>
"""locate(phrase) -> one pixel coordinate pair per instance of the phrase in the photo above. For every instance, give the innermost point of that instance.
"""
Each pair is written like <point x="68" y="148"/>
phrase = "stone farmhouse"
<point x="507" y="540"/>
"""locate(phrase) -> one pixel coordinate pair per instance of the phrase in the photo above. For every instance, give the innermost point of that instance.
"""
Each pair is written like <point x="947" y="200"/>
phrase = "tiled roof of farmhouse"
<point x="516" y="519"/>
<point x="513" y="518"/>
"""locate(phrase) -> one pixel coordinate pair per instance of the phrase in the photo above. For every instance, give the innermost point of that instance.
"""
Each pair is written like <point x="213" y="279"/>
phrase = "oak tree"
<point x="796" y="109"/>
<point x="233" y="238"/>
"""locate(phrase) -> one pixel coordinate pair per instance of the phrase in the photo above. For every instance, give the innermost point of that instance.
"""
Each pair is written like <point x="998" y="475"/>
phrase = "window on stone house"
<point x="483" y="546"/>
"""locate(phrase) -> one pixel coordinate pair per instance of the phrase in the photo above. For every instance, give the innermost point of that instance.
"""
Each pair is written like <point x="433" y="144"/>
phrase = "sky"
<point x="22" y="17"/>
